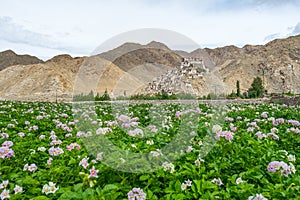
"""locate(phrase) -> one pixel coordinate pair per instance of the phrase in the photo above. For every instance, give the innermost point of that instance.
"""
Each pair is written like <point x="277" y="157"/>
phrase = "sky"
<point x="48" y="28"/>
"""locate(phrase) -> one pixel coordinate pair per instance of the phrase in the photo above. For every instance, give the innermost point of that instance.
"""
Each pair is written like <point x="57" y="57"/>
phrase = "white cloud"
<point x="78" y="27"/>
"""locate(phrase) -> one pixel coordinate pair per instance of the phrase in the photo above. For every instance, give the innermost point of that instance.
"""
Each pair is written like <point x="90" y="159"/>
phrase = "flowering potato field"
<point x="148" y="151"/>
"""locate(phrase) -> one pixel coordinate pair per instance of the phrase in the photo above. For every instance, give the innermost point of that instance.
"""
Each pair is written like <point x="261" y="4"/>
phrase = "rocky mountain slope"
<point x="129" y="67"/>
<point x="277" y="63"/>
<point x="10" y="58"/>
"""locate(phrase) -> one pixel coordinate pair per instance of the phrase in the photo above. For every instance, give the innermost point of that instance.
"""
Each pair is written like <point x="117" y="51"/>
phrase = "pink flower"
<point x="93" y="173"/>
<point x="18" y="189"/>
<point x="84" y="162"/>
<point x="55" y="151"/>
<point x="6" y="152"/>
<point x="21" y="134"/>
<point x="177" y="114"/>
<point x="32" y="168"/>
<point x="189" y="149"/>
<point x="225" y="134"/>
<point x="49" y="161"/>
<point x="4" y="135"/>
<point x="42" y="137"/>
<point x="7" y="144"/>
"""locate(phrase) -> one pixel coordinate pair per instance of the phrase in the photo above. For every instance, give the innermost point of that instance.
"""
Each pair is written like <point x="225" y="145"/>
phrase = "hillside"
<point x="131" y="66"/>
<point x="277" y="63"/>
<point x="9" y="58"/>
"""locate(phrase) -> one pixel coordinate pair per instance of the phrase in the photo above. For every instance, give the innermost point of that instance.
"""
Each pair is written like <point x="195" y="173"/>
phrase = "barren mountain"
<point x="10" y="58"/>
<point x="130" y="55"/>
<point x="130" y="66"/>
<point x="277" y="63"/>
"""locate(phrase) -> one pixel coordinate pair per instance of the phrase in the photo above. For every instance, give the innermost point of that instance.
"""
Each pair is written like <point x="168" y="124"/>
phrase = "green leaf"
<point x="70" y="195"/>
<point x="30" y="181"/>
<point x="149" y="194"/>
<point x="40" y="198"/>
<point x="71" y="161"/>
<point x="144" y="177"/>
<point x="178" y="186"/>
<point x="109" y="187"/>
<point x="78" y="187"/>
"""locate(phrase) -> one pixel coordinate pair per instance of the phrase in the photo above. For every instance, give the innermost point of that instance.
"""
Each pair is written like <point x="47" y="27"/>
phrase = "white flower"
<point x="188" y="183"/>
<point x="42" y="149"/>
<point x="4" y="194"/>
<point x="257" y="197"/>
<point x="149" y="142"/>
<point x="49" y="188"/>
<point x="189" y="149"/>
<point x="183" y="186"/>
<point x="5" y="183"/>
<point x="239" y="180"/>
<point x="291" y="158"/>
<point x="216" y="128"/>
<point x="156" y="153"/>
<point x="168" y="166"/>
<point x="292" y="168"/>
<point x="18" y="189"/>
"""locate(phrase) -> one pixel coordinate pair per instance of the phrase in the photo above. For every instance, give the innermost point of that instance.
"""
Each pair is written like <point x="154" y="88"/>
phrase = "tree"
<point x="238" y="89"/>
<point x="105" y="96"/>
<point x="256" y="90"/>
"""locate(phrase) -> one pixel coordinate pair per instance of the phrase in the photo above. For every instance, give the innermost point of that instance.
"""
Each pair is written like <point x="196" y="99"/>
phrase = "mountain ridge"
<point x="272" y="62"/>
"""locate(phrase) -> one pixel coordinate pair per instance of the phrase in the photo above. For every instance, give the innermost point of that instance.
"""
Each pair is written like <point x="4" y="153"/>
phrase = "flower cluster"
<point x="55" y="142"/>
<point x="293" y="122"/>
<point x="168" y="166"/>
<point x="49" y="188"/>
<point x="55" y="151"/>
<point x="7" y="144"/>
<point x="135" y="132"/>
<point x="103" y="131"/>
<point x="128" y="122"/>
<point x="228" y="135"/>
<point x="262" y="135"/>
<point x="264" y="115"/>
<point x="285" y="168"/>
<point x="156" y="153"/>
<point x="186" y="184"/>
<point x="217" y="181"/>
<point x="31" y="168"/>
<point x="73" y="146"/>
<point x="136" y="194"/>
<point x="292" y="129"/>
<point x="5" y="193"/>
<point x="6" y="152"/>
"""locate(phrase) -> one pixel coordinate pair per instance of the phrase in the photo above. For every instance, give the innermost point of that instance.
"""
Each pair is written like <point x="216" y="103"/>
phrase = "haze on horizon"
<point x="49" y="28"/>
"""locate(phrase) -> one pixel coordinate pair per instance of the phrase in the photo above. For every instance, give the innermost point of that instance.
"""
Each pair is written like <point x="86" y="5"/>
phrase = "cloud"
<point x="17" y="34"/>
<point x="290" y="31"/>
<point x="84" y="25"/>
<point x="297" y="29"/>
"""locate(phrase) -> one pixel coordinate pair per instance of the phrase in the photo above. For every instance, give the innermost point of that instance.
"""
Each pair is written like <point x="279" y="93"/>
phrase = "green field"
<point x="149" y="151"/>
